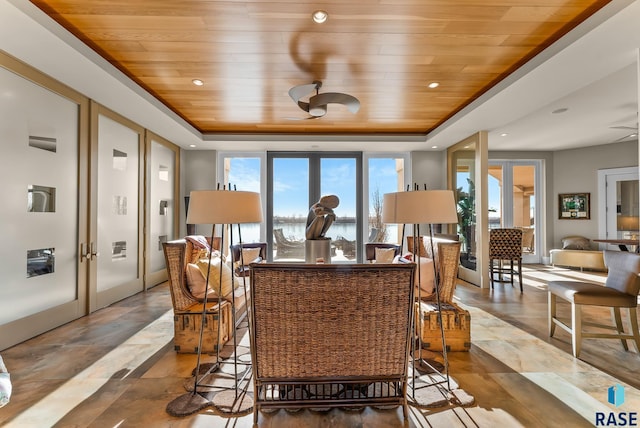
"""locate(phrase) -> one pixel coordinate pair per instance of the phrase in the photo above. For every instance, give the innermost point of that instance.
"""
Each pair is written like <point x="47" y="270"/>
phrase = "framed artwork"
<point x="574" y="206"/>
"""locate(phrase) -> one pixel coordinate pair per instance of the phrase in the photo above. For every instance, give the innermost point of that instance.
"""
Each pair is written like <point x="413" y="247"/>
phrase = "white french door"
<point x="515" y="201"/>
<point x="117" y="147"/>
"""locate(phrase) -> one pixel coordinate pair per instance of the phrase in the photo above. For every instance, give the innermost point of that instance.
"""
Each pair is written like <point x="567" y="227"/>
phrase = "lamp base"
<point x="187" y="404"/>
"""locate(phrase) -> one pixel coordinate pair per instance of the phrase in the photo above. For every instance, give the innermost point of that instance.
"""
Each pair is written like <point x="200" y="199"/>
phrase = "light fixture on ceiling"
<point x="504" y="134"/>
<point x="320" y="16"/>
<point x="192" y="146"/>
<point x="434" y="85"/>
<point x="197" y="82"/>
<point x="559" y="110"/>
<point x="434" y="147"/>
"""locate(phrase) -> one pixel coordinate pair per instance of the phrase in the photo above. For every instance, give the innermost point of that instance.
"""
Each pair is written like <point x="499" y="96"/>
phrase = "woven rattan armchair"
<point x="330" y="335"/>
<point x="456" y="320"/>
<point x="447" y="260"/>
<point x="188" y="310"/>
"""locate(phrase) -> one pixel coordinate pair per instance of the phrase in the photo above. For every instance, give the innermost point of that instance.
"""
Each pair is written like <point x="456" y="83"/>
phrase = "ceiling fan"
<point x="317" y="105"/>
<point x="633" y="129"/>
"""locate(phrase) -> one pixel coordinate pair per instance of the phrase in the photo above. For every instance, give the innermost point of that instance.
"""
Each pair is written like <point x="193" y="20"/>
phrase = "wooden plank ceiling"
<point x="250" y="53"/>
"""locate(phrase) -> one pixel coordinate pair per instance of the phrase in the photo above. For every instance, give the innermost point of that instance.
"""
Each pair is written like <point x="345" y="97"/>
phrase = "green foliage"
<point x="466" y="212"/>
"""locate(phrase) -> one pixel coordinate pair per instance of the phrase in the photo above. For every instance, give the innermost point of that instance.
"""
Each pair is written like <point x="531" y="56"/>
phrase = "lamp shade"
<point x="627" y="222"/>
<point x="419" y="207"/>
<point x="224" y="207"/>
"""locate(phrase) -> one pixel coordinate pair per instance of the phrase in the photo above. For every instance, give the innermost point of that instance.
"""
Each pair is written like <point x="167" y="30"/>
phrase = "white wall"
<point x="430" y="168"/>
<point x="198" y="173"/>
<point x="576" y="171"/>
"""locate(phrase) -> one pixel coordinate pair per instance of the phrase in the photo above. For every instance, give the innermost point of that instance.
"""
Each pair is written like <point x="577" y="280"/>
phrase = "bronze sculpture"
<point x="321" y="217"/>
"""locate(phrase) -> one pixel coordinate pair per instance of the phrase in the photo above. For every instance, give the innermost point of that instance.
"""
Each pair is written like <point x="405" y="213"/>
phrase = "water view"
<point x="296" y="231"/>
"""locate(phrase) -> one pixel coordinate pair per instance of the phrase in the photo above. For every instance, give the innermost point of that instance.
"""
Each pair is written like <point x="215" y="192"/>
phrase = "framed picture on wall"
<point x="574" y="206"/>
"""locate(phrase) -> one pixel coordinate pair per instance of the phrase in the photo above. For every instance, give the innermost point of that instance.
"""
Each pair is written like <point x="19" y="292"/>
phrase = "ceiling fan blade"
<point x="304" y="106"/>
<point x="633" y="134"/>
<point x="347" y="100"/>
<point x="301" y="91"/>
<point x="624" y="127"/>
<point x="303" y="118"/>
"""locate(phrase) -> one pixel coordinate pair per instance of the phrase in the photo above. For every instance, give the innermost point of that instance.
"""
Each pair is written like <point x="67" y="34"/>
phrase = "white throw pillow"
<point x="249" y="255"/>
<point x="225" y="285"/>
<point x="385" y="255"/>
<point x="426" y="279"/>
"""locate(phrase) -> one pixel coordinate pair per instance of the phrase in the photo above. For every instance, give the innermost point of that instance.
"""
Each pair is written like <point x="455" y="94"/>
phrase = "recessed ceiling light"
<point x="434" y="147"/>
<point x="320" y="16"/>
<point x="559" y="110"/>
<point x="192" y="145"/>
<point x="433" y="85"/>
<point x="504" y="134"/>
<point x="198" y="82"/>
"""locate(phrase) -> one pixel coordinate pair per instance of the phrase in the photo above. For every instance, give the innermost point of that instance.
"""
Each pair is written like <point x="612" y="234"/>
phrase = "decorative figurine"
<point x="321" y="217"/>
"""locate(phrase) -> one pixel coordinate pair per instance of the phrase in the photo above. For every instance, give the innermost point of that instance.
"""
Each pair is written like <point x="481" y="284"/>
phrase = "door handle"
<point x="93" y="253"/>
<point x="84" y="253"/>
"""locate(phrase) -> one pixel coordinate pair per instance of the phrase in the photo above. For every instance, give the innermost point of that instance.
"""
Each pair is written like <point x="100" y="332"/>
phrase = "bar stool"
<point x="505" y="245"/>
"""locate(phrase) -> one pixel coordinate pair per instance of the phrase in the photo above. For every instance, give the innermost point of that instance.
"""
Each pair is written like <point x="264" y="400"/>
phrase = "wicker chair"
<point x="330" y="335"/>
<point x="187" y="309"/>
<point x="505" y="245"/>
<point x="456" y="320"/>
<point x="620" y="291"/>
<point x="447" y="260"/>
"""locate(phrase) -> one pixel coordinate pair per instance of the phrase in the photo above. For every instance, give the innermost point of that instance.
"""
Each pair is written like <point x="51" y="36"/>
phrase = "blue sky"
<point x="291" y="188"/>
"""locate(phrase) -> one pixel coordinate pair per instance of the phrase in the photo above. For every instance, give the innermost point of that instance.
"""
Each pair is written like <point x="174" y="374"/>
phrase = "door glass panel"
<point x="338" y="177"/>
<point x="627" y="209"/>
<point x="465" y="186"/>
<point x="243" y="173"/>
<point x="118" y="161"/>
<point x="524" y="205"/>
<point x="386" y="175"/>
<point x="290" y="207"/>
<point x="162" y="202"/>
<point x="516" y="208"/>
<point x="495" y="196"/>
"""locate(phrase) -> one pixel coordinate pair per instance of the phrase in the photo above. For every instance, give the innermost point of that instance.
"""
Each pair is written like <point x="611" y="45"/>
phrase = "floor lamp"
<point x="423" y="207"/>
<point x="218" y="207"/>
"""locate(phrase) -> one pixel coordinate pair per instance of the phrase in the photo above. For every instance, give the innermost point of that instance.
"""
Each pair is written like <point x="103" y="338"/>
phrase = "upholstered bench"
<point x="583" y="259"/>
<point x="577" y="251"/>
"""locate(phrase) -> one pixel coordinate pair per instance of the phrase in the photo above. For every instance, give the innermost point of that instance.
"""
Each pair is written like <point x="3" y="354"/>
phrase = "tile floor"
<point x="117" y="368"/>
